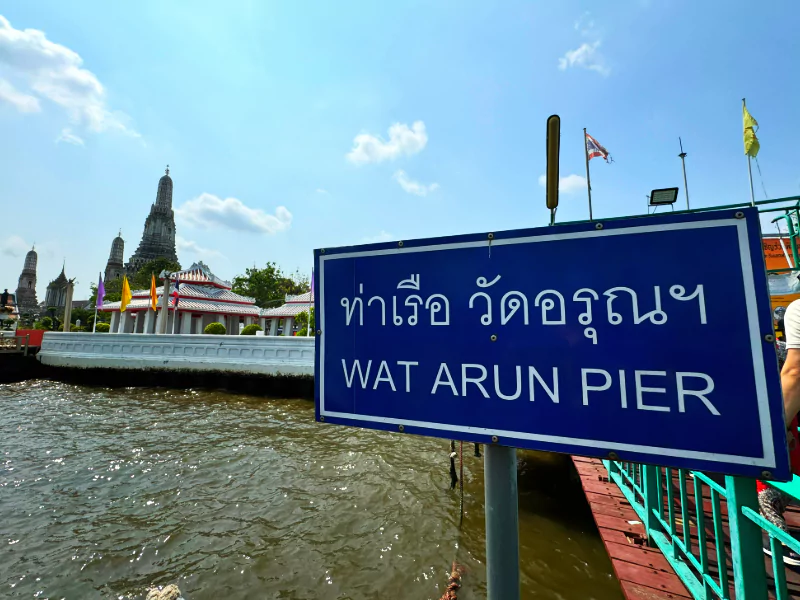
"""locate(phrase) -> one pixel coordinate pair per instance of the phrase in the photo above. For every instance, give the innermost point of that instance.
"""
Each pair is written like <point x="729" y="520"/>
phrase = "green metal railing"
<point x="710" y="530"/>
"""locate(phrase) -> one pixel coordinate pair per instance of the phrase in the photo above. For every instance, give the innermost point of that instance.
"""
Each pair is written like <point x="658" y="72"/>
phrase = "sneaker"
<point x="789" y="556"/>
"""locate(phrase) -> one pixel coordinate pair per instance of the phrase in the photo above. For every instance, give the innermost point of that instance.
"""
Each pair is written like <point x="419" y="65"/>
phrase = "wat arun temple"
<point x="204" y="297"/>
<point x="158" y="241"/>
<point x="158" y="238"/>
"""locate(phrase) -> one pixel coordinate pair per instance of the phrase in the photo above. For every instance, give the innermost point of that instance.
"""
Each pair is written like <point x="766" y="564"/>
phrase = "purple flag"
<point x="101" y="292"/>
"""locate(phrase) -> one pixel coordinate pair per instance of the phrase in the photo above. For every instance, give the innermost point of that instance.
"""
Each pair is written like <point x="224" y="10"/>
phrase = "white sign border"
<point x="767" y="460"/>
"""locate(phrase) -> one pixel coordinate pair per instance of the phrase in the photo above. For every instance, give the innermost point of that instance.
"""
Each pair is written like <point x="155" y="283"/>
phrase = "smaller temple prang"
<point x="26" y="286"/>
<point x="115" y="269"/>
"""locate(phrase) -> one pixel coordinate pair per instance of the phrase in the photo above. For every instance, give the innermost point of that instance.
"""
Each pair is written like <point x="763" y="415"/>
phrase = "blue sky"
<point x="370" y="121"/>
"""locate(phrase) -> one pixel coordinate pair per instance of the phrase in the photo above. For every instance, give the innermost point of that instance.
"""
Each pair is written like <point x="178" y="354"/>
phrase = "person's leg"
<point x="772" y="504"/>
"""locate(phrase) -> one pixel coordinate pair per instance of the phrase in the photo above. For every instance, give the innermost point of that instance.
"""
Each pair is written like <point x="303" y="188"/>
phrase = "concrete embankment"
<point x="256" y="365"/>
<point x="16" y="367"/>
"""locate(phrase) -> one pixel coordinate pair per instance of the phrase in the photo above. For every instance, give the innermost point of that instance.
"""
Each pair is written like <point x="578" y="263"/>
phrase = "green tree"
<point x="103" y="328"/>
<point x="301" y="281"/>
<point x="81" y="313"/>
<point x="302" y="321"/>
<point x="141" y="281"/>
<point x="269" y="286"/>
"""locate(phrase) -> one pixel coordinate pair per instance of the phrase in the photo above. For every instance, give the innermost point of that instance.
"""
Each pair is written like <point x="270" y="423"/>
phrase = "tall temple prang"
<point x="158" y="239"/>
<point x="26" y="288"/>
<point x="114" y="267"/>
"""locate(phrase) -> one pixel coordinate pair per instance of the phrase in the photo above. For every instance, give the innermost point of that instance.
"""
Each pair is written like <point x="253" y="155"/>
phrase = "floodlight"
<point x="663" y="196"/>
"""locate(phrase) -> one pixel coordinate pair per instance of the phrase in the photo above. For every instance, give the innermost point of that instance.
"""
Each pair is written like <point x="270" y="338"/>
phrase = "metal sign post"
<point x="502" y="523"/>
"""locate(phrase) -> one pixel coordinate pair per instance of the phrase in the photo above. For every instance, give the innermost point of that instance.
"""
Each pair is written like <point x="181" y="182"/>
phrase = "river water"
<point x="105" y="492"/>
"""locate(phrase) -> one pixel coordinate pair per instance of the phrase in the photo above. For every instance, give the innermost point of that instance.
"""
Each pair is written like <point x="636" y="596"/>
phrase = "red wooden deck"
<point x="643" y="573"/>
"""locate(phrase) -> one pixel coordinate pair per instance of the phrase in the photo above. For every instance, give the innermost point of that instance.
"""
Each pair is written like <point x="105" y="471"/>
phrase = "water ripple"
<point x="104" y="493"/>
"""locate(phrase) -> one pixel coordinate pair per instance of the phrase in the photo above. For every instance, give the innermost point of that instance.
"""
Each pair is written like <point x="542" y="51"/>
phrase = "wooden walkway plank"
<point x="643" y="573"/>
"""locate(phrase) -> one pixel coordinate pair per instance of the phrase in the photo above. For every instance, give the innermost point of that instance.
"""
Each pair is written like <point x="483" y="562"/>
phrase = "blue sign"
<point x="649" y="337"/>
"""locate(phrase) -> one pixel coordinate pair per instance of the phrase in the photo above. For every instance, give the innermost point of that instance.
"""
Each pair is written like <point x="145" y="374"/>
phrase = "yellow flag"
<point x="126" y="294"/>
<point x="153" y="297"/>
<point x="751" y="145"/>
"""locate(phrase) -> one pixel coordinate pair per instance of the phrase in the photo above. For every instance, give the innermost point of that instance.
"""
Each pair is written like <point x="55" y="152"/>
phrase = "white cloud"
<point x="585" y="25"/>
<point x="193" y="247"/>
<point x="69" y="137"/>
<point x="323" y="192"/>
<point x="54" y="72"/>
<point x="14" y="246"/>
<point x="402" y="141"/>
<point x="567" y="185"/>
<point x="414" y="187"/>
<point x="22" y="102"/>
<point x="585" y="56"/>
<point x="208" y="211"/>
<point x="383" y="236"/>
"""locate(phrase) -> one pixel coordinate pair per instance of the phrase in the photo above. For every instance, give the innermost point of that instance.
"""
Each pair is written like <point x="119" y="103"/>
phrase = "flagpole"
<point x="174" y="309"/>
<point x="750" y="170"/>
<point x="682" y="156"/>
<point x="308" y="325"/>
<point x="588" y="180"/>
<point x="100" y="293"/>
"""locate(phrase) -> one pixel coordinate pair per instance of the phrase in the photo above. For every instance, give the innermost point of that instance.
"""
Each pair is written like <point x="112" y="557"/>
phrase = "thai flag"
<point x="595" y="150"/>
<point x="175" y="295"/>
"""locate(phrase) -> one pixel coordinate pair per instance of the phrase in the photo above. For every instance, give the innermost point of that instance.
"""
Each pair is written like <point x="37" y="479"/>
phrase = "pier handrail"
<point x="709" y="548"/>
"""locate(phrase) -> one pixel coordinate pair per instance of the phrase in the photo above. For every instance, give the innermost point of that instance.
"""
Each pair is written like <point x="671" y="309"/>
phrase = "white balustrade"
<point x="268" y="355"/>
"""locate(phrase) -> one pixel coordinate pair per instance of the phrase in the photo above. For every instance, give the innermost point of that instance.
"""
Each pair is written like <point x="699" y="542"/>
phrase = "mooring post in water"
<point x="502" y="522"/>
